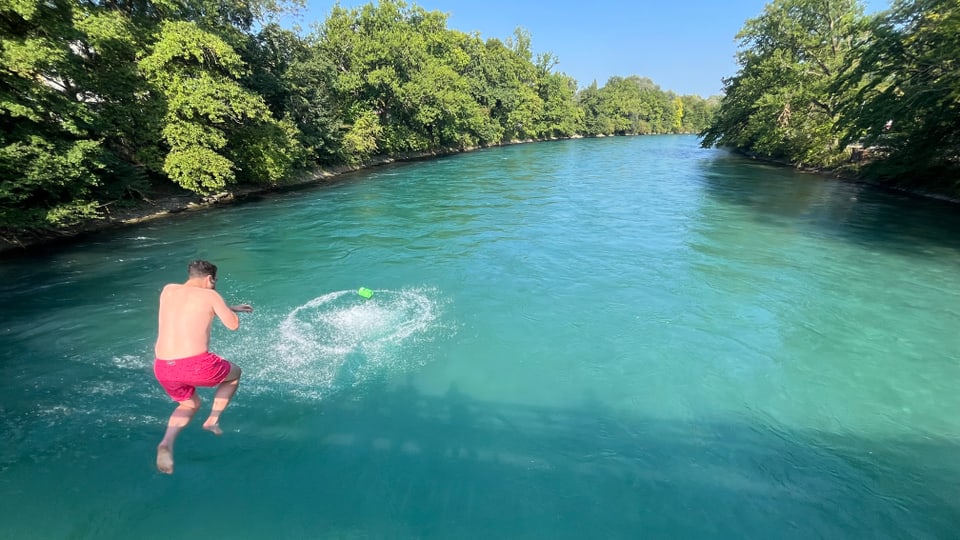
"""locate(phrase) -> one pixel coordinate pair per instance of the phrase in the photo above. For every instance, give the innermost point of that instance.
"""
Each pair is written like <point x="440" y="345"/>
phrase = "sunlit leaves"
<point x="45" y="182"/>
<point x="816" y="74"/>
<point x="779" y="104"/>
<point x="50" y="160"/>
<point x="196" y="73"/>
<point x="361" y="139"/>
<point x="99" y="99"/>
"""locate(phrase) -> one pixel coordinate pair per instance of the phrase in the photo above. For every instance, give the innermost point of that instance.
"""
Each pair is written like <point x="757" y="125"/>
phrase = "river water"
<point x="599" y="338"/>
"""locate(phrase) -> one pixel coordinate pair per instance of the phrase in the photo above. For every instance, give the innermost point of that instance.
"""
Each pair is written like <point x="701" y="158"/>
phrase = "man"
<point x="182" y="359"/>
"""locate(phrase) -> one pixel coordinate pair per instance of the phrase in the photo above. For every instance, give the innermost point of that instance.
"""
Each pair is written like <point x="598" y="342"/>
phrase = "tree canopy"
<point x="105" y="101"/>
<point x="818" y="75"/>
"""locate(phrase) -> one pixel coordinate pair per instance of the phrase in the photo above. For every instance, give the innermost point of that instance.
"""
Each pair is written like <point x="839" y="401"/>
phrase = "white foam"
<point x="107" y="388"/>
<point x="129" y="361"/>
<point x="341" y="340"/>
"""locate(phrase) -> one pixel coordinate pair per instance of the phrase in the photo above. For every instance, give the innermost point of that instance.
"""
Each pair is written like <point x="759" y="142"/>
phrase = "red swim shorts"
<point x="181" y="377"/>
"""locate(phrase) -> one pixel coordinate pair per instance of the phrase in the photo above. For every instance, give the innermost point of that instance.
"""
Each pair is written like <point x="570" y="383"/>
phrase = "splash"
<point x="341" y="340"/>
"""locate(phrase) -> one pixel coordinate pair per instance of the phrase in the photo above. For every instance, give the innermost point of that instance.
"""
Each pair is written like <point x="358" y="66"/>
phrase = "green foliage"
<point x="697" y="113"/>
<point x="504" y="84"/>
<point x="676" y="115"/>
<point x="402" y="63"/>
<point x="904" y="92"/>
<point x="441" y="106"/>
<point x="295" y="80"/>
<point x="266" y="152"/>
<point x="98" y="99"/>
<point x="561" y="117"/>
<point x="360" y="141"/>
<point x="115" y="92"/>
<point x="53" y="182"/>
<point x="629" y="106"/>
<point x="816" y="75"/>
<point x="210" y="116"/>
<point x="779" y="104"/>
<point x="101" y="100"/>
<point x="50" y="162"/>
<point x="591" y="103"/>
<point x="199" y="168"/>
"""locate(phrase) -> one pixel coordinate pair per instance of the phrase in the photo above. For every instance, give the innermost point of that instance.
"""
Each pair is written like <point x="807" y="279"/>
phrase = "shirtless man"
<point x="182" y="359"/>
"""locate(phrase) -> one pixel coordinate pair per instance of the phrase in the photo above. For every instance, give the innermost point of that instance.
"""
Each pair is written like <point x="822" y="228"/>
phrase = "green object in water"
<point x="365" y="292"/>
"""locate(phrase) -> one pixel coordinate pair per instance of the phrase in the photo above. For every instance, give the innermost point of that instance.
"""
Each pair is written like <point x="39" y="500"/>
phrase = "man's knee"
<point x="192" y="403"/>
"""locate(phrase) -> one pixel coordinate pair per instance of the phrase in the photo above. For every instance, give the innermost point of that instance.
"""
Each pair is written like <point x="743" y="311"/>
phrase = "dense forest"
<point x="106" y="101"/>
<point x="821" y="84"/>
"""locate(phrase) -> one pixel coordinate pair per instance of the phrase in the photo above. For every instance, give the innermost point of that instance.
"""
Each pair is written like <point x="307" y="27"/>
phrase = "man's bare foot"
<point x="213" y="428"/>
<point x="164" y="460"/>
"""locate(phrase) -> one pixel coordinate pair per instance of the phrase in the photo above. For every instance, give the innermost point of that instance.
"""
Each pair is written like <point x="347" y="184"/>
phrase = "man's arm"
<point x="228" y="315"/>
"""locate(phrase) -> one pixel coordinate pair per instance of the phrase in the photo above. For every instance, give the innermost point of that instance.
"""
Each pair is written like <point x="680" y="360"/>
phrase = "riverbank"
<point x="850" y="172"/>
<point x="173" y="200"/>
<point x="160" y="203"/>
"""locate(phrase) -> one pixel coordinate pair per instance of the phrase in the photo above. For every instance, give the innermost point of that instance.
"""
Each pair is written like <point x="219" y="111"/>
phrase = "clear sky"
<point x="686" y="46"/>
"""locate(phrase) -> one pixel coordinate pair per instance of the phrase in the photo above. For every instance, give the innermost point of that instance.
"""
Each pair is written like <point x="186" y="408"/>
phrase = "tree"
<point x="595" y="121"/>
<point x="50" y="159"/>
<point x="102" y="100"/>
<point x="385" y="59"/>
<point x="511" y="77"/>
<point x="676" y="115"/>
<point x="779" y="103"/>
<point x="115" y="92"/>
<point x="295" y="79"/>
<point x="561" y="116"/>
<point x="904" y="92"/>
<point x="217" y="130"/>
<point x="634" y="105"/>
<point x="697" y="113"/>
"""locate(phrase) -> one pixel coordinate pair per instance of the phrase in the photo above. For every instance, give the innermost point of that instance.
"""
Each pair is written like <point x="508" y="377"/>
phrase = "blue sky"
<point x="685" y="46"/>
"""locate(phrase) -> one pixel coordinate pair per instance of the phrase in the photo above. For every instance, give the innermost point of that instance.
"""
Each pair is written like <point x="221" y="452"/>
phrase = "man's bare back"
<point x="186" y="315"/>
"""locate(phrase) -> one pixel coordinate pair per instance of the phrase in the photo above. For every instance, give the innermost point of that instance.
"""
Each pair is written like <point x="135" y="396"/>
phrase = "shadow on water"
<point x="864" y="214"/>
<point x="398" y="463"/>
<point x="401" y="464"/>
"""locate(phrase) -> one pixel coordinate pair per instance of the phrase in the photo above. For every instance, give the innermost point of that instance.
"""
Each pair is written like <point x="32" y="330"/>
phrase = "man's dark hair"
<point x="199" y="269"/>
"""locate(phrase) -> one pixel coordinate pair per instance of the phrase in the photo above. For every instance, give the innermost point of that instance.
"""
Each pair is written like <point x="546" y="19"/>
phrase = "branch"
<point x="826" y="108"/>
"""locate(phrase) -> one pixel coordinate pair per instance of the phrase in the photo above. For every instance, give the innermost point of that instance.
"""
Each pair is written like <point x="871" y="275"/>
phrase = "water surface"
<point x="604" y="338"/>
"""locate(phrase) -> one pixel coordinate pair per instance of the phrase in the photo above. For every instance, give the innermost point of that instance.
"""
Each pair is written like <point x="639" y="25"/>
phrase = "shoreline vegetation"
<point x="105" y="105"/>
<point x="171" y="203"/>
<point x="175" y="201"/>
<point x="115" y="111"/>
<point x="817" y="79"/>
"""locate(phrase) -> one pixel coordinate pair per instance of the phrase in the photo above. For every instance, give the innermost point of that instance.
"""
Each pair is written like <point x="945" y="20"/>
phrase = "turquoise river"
<point x="586" y="339"/>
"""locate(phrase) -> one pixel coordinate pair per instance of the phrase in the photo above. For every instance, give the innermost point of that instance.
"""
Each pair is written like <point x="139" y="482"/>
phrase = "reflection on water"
<point x="855" y="212"/>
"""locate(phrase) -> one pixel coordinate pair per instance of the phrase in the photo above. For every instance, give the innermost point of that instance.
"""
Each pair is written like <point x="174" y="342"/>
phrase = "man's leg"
<point x="221" y="399"/>
<point x="178" y="420"/>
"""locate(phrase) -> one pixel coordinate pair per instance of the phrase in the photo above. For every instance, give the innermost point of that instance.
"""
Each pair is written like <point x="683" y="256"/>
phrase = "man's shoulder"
<point x="182" y="289"/>
<point x="172" y="287"/>
<point x="178" y="294"/>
